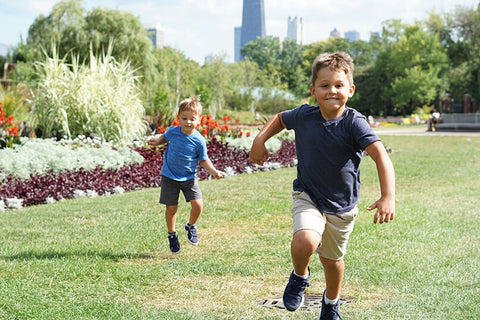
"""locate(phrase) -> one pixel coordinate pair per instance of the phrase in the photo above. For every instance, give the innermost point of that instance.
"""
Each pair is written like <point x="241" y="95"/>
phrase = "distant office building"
<point x="335" y="34"/>
<point x="237" y="39"/>
<point x="352" y="35"/>
<point x="253" y="24"/>
<point x="156" y="35"/>
<point x="295" y="29"/>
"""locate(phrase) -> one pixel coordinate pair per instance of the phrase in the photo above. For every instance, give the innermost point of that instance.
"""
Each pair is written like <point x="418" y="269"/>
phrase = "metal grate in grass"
<point x="312" y="301"/>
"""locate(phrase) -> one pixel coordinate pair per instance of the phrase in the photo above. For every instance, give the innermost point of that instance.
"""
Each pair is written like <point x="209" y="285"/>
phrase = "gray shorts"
<point x="170" y="191"/>
<point x="335" y="229"/>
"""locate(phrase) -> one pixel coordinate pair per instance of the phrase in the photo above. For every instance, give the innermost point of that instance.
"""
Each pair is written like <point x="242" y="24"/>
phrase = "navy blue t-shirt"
<point x="329" y="155"/>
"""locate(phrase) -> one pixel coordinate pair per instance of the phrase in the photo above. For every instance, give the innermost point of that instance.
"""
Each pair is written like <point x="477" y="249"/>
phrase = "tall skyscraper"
<point x="253" y="24"/>
<point x="295" y="29"/>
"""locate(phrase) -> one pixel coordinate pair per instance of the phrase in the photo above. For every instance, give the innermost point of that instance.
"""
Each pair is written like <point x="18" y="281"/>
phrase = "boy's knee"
<point x="306" y="239"/>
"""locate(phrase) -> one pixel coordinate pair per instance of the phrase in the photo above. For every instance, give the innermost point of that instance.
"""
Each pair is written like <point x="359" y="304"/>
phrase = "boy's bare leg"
<point x="334" y="270"/>
<point x="196" y="211"/>
<point x="171" y="217"/>
<point x="304" y="244"/>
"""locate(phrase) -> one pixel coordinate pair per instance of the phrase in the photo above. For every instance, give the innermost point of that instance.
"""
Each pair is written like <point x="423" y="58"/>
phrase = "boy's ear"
<point x="351" y="91"/>
<point x="312" y="90"/>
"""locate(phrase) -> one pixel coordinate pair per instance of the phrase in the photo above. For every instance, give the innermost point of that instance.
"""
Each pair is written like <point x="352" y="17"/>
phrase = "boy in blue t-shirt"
<point x="186" y="148"/>
<point x="330" y="139"/>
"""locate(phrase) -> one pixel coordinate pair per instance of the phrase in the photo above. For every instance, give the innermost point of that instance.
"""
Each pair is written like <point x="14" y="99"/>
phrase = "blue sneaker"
<point x="192" y="236"/>
<point x="329" y="311"/>
<point x="174" y="244"/>
<point x="293" y="295"/>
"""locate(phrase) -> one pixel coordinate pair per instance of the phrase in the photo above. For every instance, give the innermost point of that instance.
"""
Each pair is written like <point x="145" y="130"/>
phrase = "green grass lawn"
<point x="108" y="257"/>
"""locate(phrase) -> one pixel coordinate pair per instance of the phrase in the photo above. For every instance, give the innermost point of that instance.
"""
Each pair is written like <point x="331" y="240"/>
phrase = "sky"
<point x="199" y="28"/>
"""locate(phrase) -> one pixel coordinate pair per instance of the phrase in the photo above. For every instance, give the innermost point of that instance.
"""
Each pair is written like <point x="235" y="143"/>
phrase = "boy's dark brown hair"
<point x="191" y="104"/>
<point x="334" y="61"/>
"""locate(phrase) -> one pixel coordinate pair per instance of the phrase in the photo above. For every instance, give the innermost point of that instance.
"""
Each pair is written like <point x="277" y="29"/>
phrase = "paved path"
<point x="420" y="131"/>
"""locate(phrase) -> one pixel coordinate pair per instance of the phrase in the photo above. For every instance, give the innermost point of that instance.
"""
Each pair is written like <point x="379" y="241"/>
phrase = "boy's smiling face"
<point x="188" y="121"/>
<point x="332" y="89"/>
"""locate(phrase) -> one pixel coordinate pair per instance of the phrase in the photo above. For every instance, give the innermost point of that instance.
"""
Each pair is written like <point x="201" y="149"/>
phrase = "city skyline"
<point x="203" y="28"/>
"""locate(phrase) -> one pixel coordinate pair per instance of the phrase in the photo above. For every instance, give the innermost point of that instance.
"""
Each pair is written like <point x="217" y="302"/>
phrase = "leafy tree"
<point x="176" y="79"/>
<point x="215" y="76"/>
<point x="460" y="32"/>
<point x="410" y="53"/>
<point x="264" y="51"/>
<point x="279" y="61"/>
<point x="62" y="31"/>
<point x="125" y="31"/>
<point x="291" y="71"/>
<point x="70" y="29"/>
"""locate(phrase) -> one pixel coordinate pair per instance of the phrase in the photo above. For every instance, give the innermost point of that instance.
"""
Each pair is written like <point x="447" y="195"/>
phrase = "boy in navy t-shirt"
<point x="330" y="139"/>
<point x="186" y="148"/>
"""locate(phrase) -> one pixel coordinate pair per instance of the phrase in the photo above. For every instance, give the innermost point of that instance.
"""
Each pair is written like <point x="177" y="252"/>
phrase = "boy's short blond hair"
<point x="335" y="61"/>
<point x="191" y="104"/>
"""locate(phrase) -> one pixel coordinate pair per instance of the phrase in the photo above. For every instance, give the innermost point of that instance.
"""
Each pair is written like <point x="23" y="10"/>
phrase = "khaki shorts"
<point x="335" y="229"/>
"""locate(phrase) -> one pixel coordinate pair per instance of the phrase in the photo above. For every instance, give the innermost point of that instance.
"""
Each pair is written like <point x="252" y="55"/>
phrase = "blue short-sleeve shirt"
<point x="329" y="155"/>
<point x="182" y="154"/>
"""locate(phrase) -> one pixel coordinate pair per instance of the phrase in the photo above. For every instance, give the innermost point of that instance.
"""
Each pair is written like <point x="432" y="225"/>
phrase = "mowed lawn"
<point x="108" y="257"/>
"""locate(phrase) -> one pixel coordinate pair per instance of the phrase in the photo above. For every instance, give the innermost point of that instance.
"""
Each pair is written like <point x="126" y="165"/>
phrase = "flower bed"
<point x="50" y="186"/>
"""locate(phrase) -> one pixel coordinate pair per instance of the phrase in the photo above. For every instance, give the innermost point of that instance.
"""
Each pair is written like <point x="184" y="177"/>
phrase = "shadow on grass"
<point x="32" y="255"/>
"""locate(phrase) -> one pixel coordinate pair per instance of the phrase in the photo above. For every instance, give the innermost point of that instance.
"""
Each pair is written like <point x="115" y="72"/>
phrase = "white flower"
<point x="2" y="206"/>
<point x="50" y="200"/>
<point x="79" y="194"/>
<point x="92" y="193"/>
<point x="118" y="190"/>
<point x="248" y="169"/>
<point x="229" y="171"/>
<point x="14" y="203"/>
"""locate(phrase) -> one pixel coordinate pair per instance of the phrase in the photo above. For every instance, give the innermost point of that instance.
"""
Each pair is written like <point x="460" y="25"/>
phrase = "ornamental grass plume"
<point x="99" y="98"/>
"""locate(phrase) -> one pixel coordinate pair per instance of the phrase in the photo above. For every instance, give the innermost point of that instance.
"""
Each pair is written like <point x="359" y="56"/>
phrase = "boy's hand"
<point x="153" y="142"/>
<point x="219" y="174"/>
<point x="385" y="210"/>
<point x="259" y="153"/>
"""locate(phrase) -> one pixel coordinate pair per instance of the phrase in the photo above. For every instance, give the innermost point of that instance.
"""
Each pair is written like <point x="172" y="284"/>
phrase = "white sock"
<point x="303" y="277"/>
<point x="329" y="301"/>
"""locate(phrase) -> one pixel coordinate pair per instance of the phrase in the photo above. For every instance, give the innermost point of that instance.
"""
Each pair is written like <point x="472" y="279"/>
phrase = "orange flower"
<point x="13" y="131"/>
<point x="248" y="133"/>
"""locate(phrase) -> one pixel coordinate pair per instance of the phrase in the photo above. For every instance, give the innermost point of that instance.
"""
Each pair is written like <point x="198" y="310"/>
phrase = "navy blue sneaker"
<point x="293" y="295"/>
<point x="174" y="244"/>
<point x="192" y="236"/>
<point x="329" y="311"/>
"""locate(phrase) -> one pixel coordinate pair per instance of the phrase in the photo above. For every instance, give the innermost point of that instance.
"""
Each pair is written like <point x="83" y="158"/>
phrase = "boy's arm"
<point x="386" y="204"/>
<point x="208" y="165"/>
<point x="157" y="141"/>
<point x="258" y="152"/>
